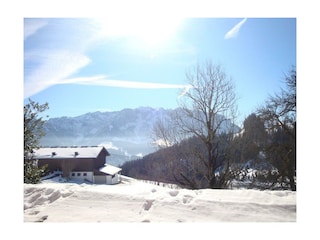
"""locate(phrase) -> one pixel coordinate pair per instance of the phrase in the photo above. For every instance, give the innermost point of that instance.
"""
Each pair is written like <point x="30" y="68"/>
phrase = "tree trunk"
<point x="292" y="183"/>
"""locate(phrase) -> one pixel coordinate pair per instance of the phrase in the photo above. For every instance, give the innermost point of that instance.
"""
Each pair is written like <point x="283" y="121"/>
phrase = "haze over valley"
<point x="126" y="134"/>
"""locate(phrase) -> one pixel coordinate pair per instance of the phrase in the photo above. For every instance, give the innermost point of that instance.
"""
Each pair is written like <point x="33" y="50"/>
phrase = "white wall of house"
<point x="107" y="179"/>
<point x="116" y="179"/>
<point x="82" y="176"/>
<point x="97" y="179"/>
<point x="100" y="179"/>
<point x="113" y="179"/>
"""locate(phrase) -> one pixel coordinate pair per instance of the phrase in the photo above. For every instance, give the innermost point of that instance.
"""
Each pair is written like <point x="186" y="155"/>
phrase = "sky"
<point x="81" y="65"/>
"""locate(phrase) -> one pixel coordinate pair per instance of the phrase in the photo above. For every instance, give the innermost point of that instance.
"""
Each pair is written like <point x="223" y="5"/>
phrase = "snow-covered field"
<point x="136" y="201"/>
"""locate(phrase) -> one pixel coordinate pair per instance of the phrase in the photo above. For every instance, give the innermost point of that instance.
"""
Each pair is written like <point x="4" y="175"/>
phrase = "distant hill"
<point x="127" y="134"/>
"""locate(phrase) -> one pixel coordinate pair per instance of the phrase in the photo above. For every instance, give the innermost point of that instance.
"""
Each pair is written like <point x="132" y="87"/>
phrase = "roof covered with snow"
<point x="69" y="152"/>
<point x="109" y="169"/>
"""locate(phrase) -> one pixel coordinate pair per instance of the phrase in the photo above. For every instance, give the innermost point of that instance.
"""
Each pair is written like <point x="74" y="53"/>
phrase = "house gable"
<point x="70" y="160"/>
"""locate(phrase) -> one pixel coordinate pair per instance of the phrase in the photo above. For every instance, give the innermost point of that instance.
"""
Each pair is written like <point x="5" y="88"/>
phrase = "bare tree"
<point x="208" y="107"/>
<point x="279" y="115"/>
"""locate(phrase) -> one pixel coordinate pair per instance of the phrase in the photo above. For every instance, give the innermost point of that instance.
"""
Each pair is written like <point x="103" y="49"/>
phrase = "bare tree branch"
<point x="202" y="113"/>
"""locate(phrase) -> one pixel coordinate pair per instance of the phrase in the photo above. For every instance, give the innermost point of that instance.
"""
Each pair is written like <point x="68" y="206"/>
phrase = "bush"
<point x="33" y="173"/>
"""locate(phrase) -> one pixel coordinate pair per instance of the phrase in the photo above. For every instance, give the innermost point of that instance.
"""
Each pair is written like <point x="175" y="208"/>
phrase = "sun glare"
<point x="152" y="32"/>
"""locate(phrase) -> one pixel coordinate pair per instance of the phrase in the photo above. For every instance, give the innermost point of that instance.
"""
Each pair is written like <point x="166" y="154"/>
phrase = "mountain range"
<point x="126" y="134"/>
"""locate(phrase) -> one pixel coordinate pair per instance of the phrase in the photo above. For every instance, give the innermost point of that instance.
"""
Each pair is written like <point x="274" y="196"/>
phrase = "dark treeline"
<point x="252" y="148"/>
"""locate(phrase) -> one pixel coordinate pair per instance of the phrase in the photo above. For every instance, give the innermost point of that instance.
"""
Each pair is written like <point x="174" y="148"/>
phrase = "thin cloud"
<point x="54" y="67"/>
<point x="235" y="30"/>
<point x="31" y="26"/>
<point x="50" y="64"/>
<point x="104" y="81"/>
<point x="185" y="91"/>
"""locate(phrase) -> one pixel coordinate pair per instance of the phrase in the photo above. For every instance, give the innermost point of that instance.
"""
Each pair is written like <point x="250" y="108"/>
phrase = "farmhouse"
<point x="79" y="163"/>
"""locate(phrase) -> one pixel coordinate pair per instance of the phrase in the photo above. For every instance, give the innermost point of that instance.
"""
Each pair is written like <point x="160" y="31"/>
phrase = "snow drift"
<point x="136" y="201"/>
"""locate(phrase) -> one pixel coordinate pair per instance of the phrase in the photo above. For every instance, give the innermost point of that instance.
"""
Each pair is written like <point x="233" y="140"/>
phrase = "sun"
<point x="156" y="31"/>
<point x="151" y="31"/>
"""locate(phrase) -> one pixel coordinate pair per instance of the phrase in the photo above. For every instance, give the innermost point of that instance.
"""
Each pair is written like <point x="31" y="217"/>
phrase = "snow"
<point x="109" y="169"/>
<point x="134" y="201"/>
<point x="77" y="207"/>
<point x="68" y="152"/>
<point x="136" y="209"/>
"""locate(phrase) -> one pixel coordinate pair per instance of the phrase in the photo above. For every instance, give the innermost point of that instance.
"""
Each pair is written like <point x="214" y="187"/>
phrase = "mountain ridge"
<point x="127" y="133"/>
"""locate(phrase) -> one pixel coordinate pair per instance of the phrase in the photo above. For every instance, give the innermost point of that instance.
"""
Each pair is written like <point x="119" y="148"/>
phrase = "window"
<point x="73" y="174"/>
<point x="85" y="174"/>
<point x="78" y="174"/>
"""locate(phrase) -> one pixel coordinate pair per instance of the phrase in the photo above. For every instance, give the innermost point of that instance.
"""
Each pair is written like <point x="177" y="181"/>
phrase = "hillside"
<point x="137" y="201"/>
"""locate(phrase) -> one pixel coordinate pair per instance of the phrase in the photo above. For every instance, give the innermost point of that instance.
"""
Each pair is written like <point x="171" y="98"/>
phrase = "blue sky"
<point x="82" y="65"/>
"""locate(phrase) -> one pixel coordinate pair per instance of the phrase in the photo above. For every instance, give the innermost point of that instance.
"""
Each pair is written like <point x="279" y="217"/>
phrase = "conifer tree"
<point x="33" y="131"/>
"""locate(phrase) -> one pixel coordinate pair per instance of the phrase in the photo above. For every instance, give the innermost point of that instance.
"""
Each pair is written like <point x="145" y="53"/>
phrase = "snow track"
<point x="136" y="201"/>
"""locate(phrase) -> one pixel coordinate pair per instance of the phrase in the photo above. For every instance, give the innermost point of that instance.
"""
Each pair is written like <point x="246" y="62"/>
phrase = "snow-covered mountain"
<point x="127" y="134"/>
